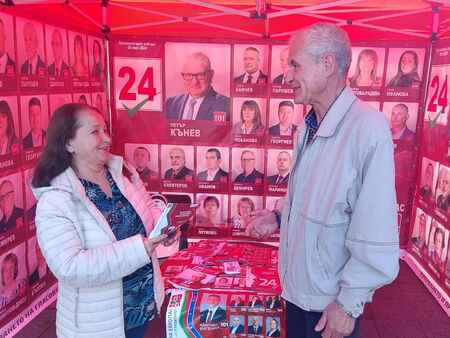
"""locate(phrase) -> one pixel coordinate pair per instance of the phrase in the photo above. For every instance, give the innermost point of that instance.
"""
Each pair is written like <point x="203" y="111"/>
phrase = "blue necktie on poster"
<point x="190" y="113"/>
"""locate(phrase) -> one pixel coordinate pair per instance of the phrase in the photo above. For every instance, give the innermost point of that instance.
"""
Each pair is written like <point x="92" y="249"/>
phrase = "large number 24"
<point x="442" y="99"/>
<point x="145" y="86"/>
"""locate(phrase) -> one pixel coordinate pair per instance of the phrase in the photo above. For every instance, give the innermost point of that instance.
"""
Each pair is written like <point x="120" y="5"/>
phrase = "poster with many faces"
<point x="216" y="120"/>
<point x="430" y="228"/>
<point x="42" y="67"/>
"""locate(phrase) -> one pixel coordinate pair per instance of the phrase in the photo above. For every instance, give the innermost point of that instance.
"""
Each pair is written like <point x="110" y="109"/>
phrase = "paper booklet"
<point x="174" y="216"/>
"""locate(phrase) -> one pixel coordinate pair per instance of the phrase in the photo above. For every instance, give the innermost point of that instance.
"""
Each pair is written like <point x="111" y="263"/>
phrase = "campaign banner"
<point x="217" y="118"/>
<point x="428" y="246"/>
<point x="224" y="314"/>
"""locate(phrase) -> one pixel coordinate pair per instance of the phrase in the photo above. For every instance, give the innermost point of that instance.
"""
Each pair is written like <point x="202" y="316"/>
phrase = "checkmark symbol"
<point x="434" y="121"/>
<point x="135" y="109"/>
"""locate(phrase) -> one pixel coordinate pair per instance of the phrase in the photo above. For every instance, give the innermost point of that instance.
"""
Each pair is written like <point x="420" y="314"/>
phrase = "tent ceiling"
<point x="382" y="20"/>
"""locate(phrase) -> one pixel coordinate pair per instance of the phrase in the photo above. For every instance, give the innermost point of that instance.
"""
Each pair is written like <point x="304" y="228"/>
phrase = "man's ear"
<point x="212" y="73"/>
<point x="329" y="63"/>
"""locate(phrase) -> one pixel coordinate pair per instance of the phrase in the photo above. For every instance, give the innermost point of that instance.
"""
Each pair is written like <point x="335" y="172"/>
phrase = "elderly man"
<point x="141" y="158"/>
<point x="284" y="65"/>
<point x="179" y="171"/>
<point x="36" y="136"/>
<point x="58" y="67"/>
<point x="285" y="116"/>
<point x="251" y="66"/>
<point x="255" y="327"/>
<point x="212" y="162"/>
<point x="236" y="326"/>
<point x="283" y="166"/>
<point x="12" y="215"/>
<point x="399" y="116"/>
<point x="339" y="237"/>
<point x="248" y="163"/>
<point x="201" y="100"/>
<point x="5" y="61"/>
<point x="214" y="313"/>
<point x="34" y="61"/>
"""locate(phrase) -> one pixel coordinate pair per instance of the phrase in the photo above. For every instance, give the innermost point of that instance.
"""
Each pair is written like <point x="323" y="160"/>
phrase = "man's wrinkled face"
<point x="30" y="40"/>
<point x="213" y="301"/>
<point x="196" y="87"/>
<point x="306" y="77"/>
<point x="248" y="162"/>
<point x="57" y="46"/>
<point x="6" y="198"/>
<point x="177" y="159"/>
<point x="284" y="60"/>
<point x="255" y="321"/>
<point x="236" y="321"/>
<point x="251" y="61"/>
<point x="398" y="117"/>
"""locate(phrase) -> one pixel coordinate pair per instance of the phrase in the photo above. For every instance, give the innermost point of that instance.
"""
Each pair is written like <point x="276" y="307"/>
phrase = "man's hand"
<point x="335" y="323"/>
<point x="262" y="225"/>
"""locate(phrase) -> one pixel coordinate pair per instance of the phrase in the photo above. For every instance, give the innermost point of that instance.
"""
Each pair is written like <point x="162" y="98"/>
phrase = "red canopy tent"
<point x="381" y="20"/>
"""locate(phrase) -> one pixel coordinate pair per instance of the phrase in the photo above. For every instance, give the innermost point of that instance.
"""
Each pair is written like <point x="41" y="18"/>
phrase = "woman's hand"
<point x="172" y="238"/>
<point x="151" y="243"/>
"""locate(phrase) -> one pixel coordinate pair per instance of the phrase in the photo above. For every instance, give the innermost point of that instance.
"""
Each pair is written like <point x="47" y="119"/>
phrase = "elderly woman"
<point x="211" y="206"/>
<point x="79" y="67"/>
<point x="11" y="286"/>
<point x="407" y="74"/>
<point x="245" y="206"/>
<point x="366" y="69"/>
<point x="250" y="121"/>
<point x="8" y="137"/>
<point x="92" y="219"/>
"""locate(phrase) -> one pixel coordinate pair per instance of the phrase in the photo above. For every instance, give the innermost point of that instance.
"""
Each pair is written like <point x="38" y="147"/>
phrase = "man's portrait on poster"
<point x="178" y="169"/>
<point x="200" y="100"/>
<point x="251" y="64"/>
<point x="36" y="136"/>
<point x="58" y="44"/>
<point x="426" y="189"/>
<point x="284" y="65"/>
<point x="34" y="63"/>
<point x="7" y="63"/>
<point x="285" y="125"/>
<point x="13" y="215"/>
<point x="214" y="313"/>
<point x="213" y="164"/>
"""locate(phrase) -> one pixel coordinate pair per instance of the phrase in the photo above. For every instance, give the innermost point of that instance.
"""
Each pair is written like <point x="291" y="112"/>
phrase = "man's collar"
<point x="336" y="112"/>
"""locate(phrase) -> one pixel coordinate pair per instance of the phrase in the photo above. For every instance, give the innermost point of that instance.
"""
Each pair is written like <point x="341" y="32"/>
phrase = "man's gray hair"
<point x="202" y="57"/>
<point x="324" y="37"/>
